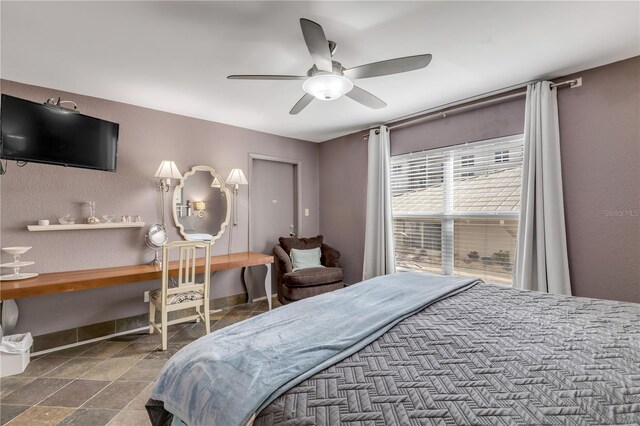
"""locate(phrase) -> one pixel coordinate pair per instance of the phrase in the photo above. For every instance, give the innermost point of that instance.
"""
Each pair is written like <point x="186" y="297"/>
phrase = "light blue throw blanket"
<point x="223" y="378"/>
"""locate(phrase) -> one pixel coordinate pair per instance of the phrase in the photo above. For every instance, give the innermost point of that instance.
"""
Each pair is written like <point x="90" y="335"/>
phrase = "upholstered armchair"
<point x="303" y="283"/>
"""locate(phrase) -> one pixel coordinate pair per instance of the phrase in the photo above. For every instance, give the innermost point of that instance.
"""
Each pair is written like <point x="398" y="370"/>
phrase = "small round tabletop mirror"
<point x="155" y="239"/>
<point x="201" y="207"/>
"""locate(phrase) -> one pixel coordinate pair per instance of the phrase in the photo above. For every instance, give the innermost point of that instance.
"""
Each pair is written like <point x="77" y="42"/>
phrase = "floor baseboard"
<point x="69" y="338"/>
<point x="84" y="342"/>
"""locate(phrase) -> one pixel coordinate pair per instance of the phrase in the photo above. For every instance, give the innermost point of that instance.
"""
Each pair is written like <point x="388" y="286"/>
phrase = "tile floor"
<point x="101" y="383"/>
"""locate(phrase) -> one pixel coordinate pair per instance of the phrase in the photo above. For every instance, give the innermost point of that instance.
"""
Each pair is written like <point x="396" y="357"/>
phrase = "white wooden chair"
<point x="187" y="294"/>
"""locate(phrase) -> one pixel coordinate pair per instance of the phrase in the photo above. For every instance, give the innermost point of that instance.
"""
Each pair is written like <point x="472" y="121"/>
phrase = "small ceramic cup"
<point x="43" y="222"/>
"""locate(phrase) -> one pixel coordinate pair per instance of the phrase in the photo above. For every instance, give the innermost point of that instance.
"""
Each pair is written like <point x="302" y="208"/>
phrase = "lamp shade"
<point x="236" y="177"/>
<point x="168" y="170"/>
<point x="200" y="205"/>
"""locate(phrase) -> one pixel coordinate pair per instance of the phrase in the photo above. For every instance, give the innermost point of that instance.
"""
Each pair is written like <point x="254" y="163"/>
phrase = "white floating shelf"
<point x="77" y="226"/>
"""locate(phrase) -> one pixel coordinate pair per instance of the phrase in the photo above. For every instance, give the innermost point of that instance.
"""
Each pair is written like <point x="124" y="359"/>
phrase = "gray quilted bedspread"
<point x="489" y="355"/>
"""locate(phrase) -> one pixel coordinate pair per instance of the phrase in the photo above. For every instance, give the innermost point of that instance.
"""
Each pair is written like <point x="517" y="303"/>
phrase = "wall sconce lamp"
<point x="167" y="171"/>
<point x="216" y="183"/>
<point x="199" y="207"/>
<point x="236" y="178"/>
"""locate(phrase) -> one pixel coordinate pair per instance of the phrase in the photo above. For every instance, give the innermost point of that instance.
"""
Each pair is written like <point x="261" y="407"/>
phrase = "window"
<point x="455" y="210"/>
<point x="467" y="163"/>
<point x="418" y="243"/>
<point x="435" y="165"/>
<point x="397" y="186"/>
<point x="417" y="174"/>
<point x="502" y="156"/>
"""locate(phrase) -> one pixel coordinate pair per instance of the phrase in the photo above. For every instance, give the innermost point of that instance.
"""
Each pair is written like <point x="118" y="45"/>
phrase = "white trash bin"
<point x="14" y="354"/>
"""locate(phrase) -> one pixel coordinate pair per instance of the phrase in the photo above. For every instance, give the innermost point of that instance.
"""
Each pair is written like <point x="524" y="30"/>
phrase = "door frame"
<point x="297" y="183"/>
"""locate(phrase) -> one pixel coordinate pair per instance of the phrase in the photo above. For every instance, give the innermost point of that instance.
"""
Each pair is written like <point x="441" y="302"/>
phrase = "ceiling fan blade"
<point x="301" y="104"/>
<point x="267" y="77"/>
<point x="391" y="66"/>
<point x="366" y="98"/>
<point x="317" y="44"/>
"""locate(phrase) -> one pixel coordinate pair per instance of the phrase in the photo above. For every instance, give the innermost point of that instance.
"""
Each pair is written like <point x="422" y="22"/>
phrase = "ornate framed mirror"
<point x="201" y="205"/>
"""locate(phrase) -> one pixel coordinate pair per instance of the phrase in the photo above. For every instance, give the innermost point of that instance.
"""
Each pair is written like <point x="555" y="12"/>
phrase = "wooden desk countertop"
<point x="60" y="282"/>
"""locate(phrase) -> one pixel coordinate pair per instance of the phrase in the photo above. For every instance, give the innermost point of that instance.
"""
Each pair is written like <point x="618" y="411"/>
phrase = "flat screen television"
<point x="42" y="133"/>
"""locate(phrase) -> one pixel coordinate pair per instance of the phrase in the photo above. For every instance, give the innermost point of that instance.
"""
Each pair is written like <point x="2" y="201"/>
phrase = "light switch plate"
<point x="306" y="212"/>
<point x="146" y="296"/>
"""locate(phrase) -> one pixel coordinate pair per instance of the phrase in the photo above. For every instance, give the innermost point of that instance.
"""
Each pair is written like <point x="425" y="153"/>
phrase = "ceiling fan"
<point x="328" y="79"/>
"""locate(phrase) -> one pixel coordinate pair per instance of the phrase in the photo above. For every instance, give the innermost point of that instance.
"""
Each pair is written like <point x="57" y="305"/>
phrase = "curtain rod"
<point x="454" y="109"/>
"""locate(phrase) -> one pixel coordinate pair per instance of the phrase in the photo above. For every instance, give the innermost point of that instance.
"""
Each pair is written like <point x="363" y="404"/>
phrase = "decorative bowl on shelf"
<point x="108" y="217"/>
<point x="16" y="250"/>
<point x="67" y="220"/>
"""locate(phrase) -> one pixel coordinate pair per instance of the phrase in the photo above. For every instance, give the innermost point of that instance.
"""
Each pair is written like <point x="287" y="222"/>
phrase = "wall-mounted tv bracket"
<point x="59" y="104"/>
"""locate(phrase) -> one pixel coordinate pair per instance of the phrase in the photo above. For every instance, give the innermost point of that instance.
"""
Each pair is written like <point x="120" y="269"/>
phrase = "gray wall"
<point x="600" y="143"/>
<point x="601" y="168"/>
<point x="146" y="138"/>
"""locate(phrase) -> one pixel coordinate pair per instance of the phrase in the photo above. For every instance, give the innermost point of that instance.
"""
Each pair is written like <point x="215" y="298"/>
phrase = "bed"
<point x="413" y="348"/>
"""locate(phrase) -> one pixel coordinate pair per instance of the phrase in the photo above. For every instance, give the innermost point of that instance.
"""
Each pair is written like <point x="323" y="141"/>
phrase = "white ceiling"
<point x="174" y="56"/>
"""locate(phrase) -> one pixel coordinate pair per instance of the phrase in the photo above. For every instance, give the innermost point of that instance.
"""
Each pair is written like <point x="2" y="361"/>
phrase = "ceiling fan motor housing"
<point x="337" y="69"/>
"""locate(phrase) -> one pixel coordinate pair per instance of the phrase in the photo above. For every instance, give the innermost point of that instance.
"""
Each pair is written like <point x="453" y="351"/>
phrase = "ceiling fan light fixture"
<point x="327" y="87"/>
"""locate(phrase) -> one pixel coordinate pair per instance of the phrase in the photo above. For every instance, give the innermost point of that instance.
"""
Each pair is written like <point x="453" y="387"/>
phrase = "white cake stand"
<point x="16" y="252"/>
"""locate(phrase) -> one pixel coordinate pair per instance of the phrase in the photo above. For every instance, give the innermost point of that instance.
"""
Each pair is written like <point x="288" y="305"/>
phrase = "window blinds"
<point x="456" y="209"/>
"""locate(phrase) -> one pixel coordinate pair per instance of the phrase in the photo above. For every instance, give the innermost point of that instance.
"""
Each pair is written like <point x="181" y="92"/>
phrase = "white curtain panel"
<point x="379" y="256"/>
<point x="541" y="255"/>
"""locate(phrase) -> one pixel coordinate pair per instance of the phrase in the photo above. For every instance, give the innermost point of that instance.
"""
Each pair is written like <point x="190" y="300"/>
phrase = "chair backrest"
<point x="188" y="263"/>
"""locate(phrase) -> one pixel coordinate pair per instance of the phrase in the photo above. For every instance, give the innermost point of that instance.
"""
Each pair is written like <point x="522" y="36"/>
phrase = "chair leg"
<point x="207" y="317"/>
<point x="165" y="318"/>
<point x="152" y="316"/>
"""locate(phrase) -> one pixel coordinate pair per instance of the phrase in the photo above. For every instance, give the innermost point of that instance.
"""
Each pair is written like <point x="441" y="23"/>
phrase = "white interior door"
<point x="273" y="208"/>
